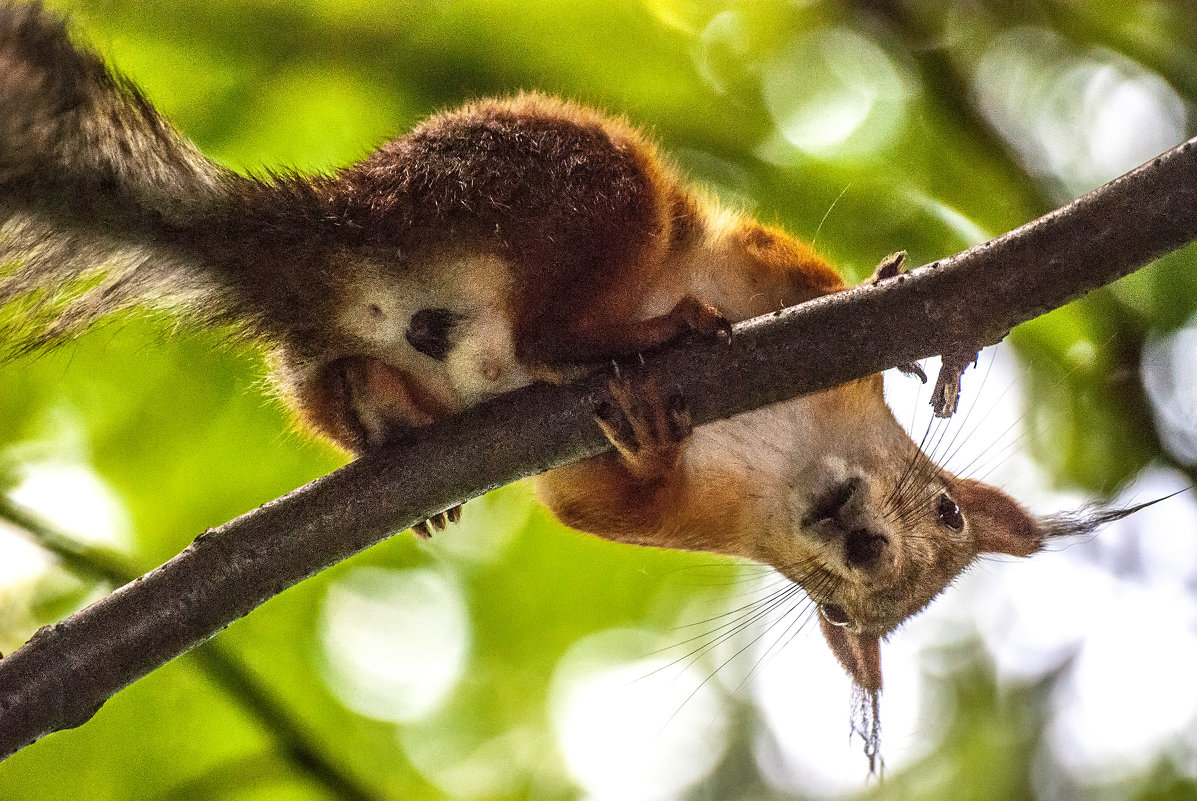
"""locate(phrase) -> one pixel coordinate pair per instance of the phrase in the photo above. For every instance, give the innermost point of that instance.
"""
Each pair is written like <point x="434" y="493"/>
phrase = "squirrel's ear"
<point x="999" y="524"/>
<point x="859" y="654"/>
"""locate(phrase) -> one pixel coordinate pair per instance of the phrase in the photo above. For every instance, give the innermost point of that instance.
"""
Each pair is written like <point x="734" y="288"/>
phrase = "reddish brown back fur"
<point x="575" y="201"/>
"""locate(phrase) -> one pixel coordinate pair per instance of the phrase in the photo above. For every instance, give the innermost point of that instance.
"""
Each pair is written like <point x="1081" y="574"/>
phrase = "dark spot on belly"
<point x="431" y="332"/>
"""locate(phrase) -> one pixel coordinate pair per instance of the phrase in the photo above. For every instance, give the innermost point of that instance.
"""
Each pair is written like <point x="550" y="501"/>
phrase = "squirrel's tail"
<point x="100" y="198"/>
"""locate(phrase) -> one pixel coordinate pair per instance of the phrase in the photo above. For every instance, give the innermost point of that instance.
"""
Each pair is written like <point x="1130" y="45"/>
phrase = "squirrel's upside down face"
<point x="874" y="529"/>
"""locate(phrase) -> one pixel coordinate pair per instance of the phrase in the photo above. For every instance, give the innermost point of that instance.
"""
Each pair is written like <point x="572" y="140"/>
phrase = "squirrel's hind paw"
<point x="645" y="425"/>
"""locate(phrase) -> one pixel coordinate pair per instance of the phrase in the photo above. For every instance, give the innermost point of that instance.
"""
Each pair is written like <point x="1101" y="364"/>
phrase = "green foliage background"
<point x="182" y="428"/>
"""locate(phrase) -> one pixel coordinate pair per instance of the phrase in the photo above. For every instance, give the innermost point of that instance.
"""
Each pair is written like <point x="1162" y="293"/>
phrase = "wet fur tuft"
<point x="866" y="724"/>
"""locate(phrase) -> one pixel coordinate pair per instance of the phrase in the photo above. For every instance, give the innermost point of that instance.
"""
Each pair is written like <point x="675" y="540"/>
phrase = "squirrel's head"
<point x="877" y="549"/>
<point x="875" y="529"/>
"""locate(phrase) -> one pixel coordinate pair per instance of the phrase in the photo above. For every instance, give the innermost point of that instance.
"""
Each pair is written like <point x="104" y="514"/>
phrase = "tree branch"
<point x="220" y="665"/>
<point x="67" y="670"/>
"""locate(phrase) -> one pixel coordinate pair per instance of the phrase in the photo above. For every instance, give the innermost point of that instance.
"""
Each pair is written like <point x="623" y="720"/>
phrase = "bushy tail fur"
<point x="97" y="191"/>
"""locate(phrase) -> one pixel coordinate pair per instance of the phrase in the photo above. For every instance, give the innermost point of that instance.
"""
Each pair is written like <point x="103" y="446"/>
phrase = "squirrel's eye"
<point x="949" y="513"/>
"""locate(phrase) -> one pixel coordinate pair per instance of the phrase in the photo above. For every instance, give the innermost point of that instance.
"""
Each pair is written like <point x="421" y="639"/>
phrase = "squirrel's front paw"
<point x="701" y="318"/>
<point x="645" y="425"/>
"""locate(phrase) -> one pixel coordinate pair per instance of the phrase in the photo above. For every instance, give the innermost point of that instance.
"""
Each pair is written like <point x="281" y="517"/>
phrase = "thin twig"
<point x="67" y="670"/>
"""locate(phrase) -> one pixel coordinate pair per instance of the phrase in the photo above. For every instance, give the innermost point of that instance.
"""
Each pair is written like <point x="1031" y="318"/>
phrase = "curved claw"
<point x="438" y="522"/>
<point x="913" y="369"/>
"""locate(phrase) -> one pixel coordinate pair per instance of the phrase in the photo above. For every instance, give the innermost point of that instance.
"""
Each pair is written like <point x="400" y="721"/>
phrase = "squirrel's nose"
<point x="862" y="547"/>
<point x="834" y="513"/>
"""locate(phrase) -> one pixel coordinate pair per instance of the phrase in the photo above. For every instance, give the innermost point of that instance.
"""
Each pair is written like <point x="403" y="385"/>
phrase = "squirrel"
<point x="507" y="241"/>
